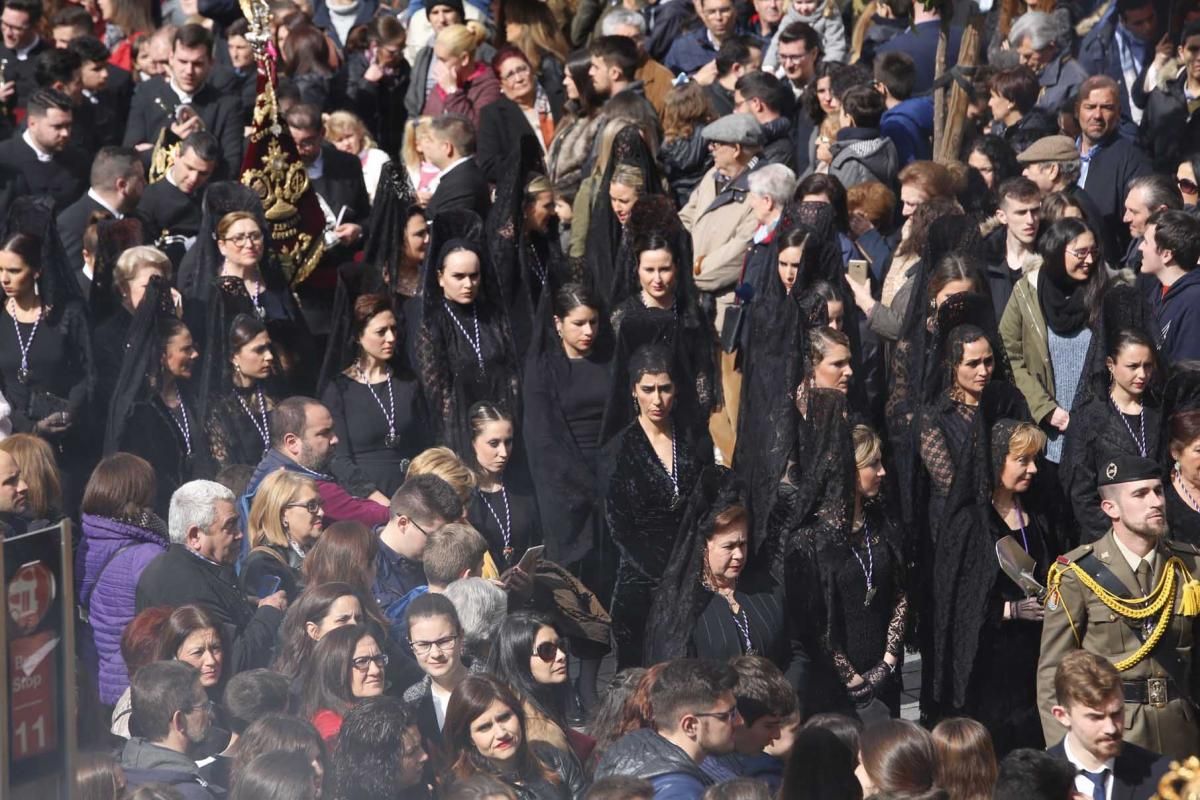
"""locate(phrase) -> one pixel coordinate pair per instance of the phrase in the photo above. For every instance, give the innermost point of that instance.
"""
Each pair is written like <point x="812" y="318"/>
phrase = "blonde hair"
<point x="413" y="130"/>
<point x="266" y="514"/>
<point x="340" y="123"/>
<point x="35" y="459"/>
<point x="867" y="446"/>
<point x="629" y="175"/>
<point x="442" y="462"/>
<point x="233" y="218"/>
<point x="1027" y="439"/>
<point x="459" y="39"/>
<point x="130" y="263"/>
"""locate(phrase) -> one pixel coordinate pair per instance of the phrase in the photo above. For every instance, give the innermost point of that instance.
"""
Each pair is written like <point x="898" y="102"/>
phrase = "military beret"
<point x="740" y="129"/>
<point x="1124" y="468"/>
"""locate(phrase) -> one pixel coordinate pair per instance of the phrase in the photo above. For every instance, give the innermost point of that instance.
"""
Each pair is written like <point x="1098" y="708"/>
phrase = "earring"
<point x="238" y="369"/>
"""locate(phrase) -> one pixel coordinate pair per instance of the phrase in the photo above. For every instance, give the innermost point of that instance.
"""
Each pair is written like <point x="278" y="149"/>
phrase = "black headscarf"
<point x="519" y="257"/>
<point x="679" y="330"/>
<point x="379" y="272"/>
<point x="143" y="348"/>
<point x="439" y="343"/>
<point x="604" y="230"/>
<point x="679" y="598"/>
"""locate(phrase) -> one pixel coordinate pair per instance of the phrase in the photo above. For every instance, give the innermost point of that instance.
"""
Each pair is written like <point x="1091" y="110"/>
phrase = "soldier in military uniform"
<point x="1131" y="597"/>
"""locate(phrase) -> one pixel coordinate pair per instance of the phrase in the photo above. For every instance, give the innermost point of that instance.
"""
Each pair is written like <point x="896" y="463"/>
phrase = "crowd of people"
<point x="750" y="349"/>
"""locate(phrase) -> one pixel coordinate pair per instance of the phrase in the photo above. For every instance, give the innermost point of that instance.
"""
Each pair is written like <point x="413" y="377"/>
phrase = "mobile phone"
<point x="857" y="272"/>
<point x="530" y="560"/>
<point x="268" y="586"/>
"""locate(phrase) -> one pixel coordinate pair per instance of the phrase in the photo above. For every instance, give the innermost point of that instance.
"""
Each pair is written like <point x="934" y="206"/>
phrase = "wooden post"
<point x="948" y="136"/>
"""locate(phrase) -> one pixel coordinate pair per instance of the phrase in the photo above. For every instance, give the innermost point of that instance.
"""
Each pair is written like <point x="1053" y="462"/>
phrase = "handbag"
<point x="731" y="328"/>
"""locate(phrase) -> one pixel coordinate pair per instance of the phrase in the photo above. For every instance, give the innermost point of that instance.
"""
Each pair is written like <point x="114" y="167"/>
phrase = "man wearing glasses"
<point x="696" y="716"/>
<point x="1170" y="250"/>
<point x="173" y="714"/>
<point x="422" y="506"/>
<point x="19" y="26"/>
<point x="206" y="540"/>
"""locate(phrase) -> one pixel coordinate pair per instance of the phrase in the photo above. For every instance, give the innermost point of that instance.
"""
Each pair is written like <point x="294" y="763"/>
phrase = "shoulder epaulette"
<point x="1183" y="547"/>
<point x="1074" y="555"/>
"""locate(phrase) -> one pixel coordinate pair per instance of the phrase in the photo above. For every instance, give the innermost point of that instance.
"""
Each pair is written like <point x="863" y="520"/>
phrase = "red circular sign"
<point x="30" y="593"/>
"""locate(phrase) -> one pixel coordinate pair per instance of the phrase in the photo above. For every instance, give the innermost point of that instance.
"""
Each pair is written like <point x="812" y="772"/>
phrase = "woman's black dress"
<point x="1002" y="692"/>
<point x="1097" y="431"/>
<point x="719" y="636"/>
<point x="644" y="512"/>
<point x="61" y="378"/>
<point x="362" y="426"/>
<point x="156" y="433"/>
<point x="514" y="510"/>
<point x="848" y="629"/>
<point x="1183" y="520"/>
<point x="564" y="409"/>
<point x="238" y="426"/>
<point x="464" y="377"/>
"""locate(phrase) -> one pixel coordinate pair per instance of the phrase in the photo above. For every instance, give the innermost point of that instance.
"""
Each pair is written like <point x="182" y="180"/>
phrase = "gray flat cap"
<point x="1050" y="148"/>
<point x="734" y="129"/>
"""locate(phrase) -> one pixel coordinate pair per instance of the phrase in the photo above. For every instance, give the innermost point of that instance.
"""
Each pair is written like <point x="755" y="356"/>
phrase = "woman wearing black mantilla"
<point x="651" y="467"/>
<point x="464" y="348"/>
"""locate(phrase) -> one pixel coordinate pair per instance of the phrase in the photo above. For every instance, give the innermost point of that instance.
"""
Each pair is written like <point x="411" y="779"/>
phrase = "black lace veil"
<point x="679" y="598"/>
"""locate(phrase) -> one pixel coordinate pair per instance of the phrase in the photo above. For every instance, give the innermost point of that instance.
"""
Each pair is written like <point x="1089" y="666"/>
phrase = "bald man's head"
<point x="13" y="490"/>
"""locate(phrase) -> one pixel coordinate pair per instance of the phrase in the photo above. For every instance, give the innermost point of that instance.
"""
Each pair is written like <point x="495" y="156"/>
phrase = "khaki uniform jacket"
<point x="721" y="227"/>
<point x="1171" y="730"/>
<point x="1023" y="331"/>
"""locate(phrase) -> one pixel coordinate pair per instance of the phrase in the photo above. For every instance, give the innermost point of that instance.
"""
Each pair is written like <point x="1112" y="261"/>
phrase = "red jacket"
<point x="481" y="88"/>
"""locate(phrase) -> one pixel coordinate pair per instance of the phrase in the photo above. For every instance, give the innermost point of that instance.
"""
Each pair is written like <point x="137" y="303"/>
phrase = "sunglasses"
<point x="1187" y="187"/>
<point x="548" y="651"/>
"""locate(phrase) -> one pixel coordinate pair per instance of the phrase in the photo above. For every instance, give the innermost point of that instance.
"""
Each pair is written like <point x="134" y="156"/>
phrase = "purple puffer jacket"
<point x="112" y="601"/>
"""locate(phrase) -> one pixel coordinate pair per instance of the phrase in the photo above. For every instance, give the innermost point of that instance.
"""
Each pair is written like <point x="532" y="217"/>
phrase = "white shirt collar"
<point x="41" y="154"/>
<point x="1082" y="782"/>
<point x="1133" y="559"/>
<point x="183" y="96"/>
<point x="23" y="53"/>
<point x="97" y="198"/>
<point x="436" y="182"/>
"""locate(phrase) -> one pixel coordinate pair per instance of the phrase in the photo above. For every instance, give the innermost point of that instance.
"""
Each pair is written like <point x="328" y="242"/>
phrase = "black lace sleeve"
<point x="936" y="456"/>
<point x="435" y="377"/>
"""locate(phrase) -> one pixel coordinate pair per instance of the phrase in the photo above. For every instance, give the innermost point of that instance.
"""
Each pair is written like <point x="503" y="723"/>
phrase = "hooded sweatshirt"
<point x="861" y="155"/>
<point x="1177" y="317"/>
<point x="910" y="127"/>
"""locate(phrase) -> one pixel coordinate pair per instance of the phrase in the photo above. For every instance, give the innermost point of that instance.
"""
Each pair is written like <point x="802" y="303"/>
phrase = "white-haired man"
<point x="198" y="568"/>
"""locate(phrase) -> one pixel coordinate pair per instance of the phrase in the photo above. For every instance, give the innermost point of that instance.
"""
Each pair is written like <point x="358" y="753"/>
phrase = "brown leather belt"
<point x="1153" y="692"/>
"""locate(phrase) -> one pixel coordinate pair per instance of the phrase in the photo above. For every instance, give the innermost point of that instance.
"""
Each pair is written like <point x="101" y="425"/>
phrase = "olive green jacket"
<point x="1023" y="331"/>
